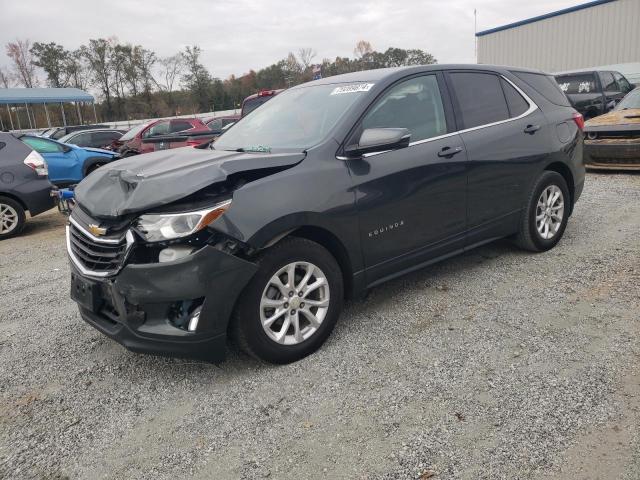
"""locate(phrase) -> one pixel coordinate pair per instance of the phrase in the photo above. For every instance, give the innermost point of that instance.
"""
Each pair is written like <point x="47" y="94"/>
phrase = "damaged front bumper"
<point x="612" y="153"/>
<point x="179" y="308"/>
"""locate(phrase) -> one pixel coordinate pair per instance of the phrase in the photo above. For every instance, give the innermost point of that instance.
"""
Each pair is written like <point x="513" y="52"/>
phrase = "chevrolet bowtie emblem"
<point x="97" y="230"/>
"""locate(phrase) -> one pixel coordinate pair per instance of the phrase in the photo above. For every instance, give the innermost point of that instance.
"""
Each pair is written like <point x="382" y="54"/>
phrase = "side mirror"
<point x="66" y="148"/>
<point x="379" y="140"/>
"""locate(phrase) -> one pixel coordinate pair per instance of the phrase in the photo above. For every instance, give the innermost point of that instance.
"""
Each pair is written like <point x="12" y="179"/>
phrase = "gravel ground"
<point x="496" y="364"/>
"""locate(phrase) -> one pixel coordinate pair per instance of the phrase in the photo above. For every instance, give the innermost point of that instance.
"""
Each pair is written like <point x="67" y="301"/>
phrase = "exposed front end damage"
<point x="612" y="141"/>
<point x="164" y="296"/>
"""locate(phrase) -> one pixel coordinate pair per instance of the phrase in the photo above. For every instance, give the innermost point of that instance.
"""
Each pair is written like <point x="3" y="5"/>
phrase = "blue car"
<point x="68" y="164"/>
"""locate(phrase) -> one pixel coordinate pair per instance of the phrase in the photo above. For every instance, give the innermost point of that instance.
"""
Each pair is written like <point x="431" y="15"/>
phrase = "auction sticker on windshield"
<point x="358" y="87"/>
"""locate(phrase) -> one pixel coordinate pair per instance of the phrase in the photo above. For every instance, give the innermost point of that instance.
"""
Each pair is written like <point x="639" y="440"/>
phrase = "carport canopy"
<point x="44" y="96"/>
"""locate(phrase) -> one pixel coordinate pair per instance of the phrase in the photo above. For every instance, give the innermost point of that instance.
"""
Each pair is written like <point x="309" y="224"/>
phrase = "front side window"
<point x="608" y="82"/>
<point x="480" y="98"/>
<point x="42" y="145"/>
<point x="624" y="85"/>
<point x="161" y="128"/>
<point x="413" y="104"/>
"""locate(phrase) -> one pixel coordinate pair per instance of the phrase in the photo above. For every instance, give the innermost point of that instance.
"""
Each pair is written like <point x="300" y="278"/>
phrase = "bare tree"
<point x="363" y="48"/>
<point x="20" y="54"/>
<point x="170" y="70"/>
<point x="305" y="55"/>
<point x="5" y="78"/>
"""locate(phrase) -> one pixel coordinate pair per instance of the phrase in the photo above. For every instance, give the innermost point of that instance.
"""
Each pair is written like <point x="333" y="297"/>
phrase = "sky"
<point x="239" y="35"/>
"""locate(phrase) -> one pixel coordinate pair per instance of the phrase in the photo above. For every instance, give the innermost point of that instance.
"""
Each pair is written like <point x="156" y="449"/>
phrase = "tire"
<point x="250" y="312"/>
<point x="12" y="218"/>
<point x="93" y="168"/>
<point x="529" y="236"/>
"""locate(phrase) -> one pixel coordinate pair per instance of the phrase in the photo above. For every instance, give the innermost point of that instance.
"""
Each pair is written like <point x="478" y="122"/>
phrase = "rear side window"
<point x="546" y="86"/>
<point x="480" y="98"/>
<point x="414" y="104"/>
<point x="516" y="102"/>
<point x="180" y="126"/>
<point x="42" y="145"/>
<point x="574" y="84"/>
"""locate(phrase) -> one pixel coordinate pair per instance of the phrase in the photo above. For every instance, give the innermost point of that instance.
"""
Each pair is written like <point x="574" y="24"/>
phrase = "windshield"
<point x="295" y="119"/>
<point x="632" y="100"/>
<point x="133" y="132"/>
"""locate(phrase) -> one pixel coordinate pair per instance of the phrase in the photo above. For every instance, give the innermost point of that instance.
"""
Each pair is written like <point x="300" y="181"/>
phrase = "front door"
<point x="411" y="202"/>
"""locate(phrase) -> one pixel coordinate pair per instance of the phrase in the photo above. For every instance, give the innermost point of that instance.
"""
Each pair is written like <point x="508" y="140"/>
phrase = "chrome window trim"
<point x="532" y="108"/>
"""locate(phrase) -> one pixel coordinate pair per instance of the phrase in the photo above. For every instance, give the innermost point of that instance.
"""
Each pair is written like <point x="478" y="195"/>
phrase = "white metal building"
<point x="590" y="35"/>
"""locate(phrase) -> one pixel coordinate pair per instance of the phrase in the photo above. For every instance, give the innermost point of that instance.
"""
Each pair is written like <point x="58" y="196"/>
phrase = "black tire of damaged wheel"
<point x="246" y="328"/>
<point x="528" y="237"/>
<point x="22" y="218"/>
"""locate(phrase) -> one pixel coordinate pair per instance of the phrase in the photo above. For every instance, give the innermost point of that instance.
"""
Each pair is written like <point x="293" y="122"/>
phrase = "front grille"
<point x="94" y="256"/>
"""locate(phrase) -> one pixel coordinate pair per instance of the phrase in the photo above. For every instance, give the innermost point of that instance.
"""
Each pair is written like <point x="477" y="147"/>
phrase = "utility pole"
<point x="475" y="31"/>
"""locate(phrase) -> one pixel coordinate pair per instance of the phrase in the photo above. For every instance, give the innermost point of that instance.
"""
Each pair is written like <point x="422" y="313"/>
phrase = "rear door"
<point x="505" y="136"/>
<point x="411" y="202"/>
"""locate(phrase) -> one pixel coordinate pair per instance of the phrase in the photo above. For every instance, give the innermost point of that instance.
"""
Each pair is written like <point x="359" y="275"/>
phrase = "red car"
<point x="219" y="124"/>
<point x="137" y="140"/>
<point x="254" y="101"/>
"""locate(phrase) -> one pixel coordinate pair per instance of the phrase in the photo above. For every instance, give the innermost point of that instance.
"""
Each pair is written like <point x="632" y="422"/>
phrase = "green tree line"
<point x="133" y="82"/>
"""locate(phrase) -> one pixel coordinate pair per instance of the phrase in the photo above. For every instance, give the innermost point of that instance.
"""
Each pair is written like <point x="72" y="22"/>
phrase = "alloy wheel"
<point x="549" y="212"/>
<point x="294" y="303"/>
<point x="8" y="219"/>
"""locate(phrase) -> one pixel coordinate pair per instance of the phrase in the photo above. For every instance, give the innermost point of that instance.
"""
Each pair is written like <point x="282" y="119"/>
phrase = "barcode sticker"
<point x="357" y="87"/>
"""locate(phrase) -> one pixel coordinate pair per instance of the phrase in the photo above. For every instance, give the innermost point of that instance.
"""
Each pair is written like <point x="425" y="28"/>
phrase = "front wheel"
<point x="291" y="305"/>
<point x="547" y="212"/>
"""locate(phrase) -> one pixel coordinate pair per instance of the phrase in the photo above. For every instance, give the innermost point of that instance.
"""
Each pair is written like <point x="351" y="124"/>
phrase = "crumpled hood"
<point x="142" y="182"/>
<point x="99" y="150"/>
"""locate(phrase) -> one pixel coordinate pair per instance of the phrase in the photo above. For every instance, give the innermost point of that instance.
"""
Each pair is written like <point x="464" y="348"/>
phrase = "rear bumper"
<point x="612" y="154"/>
<point x="36" y="195"/>
<point x="147" y="307"/>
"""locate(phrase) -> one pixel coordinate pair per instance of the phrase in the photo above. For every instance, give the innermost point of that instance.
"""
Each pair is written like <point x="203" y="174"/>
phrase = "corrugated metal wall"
<point x="600" y="35"/>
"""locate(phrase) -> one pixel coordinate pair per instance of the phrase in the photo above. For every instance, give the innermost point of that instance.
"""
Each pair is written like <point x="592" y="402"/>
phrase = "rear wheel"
<point x="12" y="218"/>
<point x="546" y="214"/>
<point x="291" y="305"/>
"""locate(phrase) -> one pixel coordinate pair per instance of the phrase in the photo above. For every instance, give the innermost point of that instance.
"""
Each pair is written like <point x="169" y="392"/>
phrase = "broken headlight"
<point x="158" y="227"/>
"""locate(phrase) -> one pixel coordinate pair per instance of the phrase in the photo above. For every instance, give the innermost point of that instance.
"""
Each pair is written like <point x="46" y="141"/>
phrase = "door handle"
<point x="531" y="129"/>
<point x="449" y="152"/>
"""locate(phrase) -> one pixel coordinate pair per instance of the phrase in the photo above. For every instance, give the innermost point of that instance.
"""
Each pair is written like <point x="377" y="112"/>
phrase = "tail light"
<point x="579" y="119"/>
<point x="192" y="143"/>
<point x="36" y="163"/>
